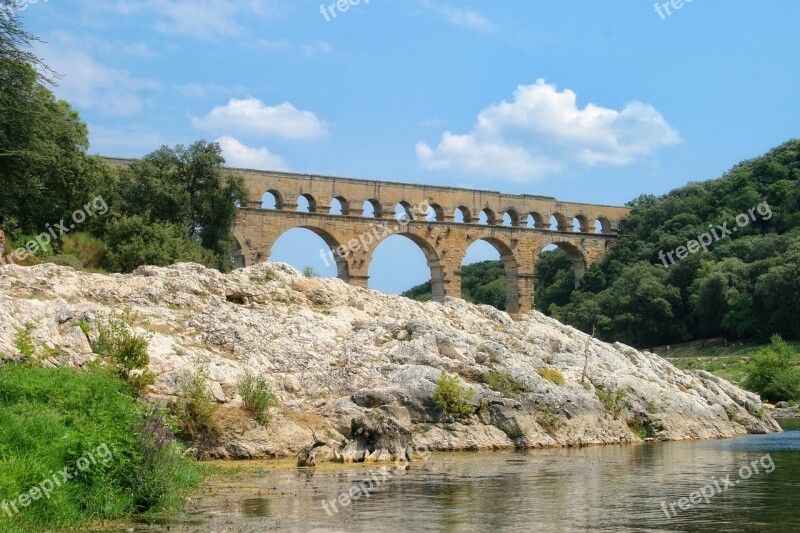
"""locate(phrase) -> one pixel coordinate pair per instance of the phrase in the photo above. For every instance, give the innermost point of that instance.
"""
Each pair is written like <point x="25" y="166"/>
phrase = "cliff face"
<point x="334" y="353"/>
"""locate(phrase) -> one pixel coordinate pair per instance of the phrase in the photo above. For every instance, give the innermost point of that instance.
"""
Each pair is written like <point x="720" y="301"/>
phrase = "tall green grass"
<point x="51" y="418"/>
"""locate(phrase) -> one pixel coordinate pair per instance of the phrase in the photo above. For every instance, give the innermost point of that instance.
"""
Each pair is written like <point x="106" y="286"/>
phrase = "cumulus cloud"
<point x="542" y="131"/>
<point x="251" y="116"/>
<point x="239" y="155"/>
<point x="88" y="84"/>
<point x="461" y="16"/>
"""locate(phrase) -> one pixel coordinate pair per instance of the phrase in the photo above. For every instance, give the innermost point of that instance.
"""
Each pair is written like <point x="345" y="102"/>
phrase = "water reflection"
<point x="609" y="488"/>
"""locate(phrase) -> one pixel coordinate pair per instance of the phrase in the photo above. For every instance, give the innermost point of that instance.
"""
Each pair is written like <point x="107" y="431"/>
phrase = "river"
<point x="602" y="488"/>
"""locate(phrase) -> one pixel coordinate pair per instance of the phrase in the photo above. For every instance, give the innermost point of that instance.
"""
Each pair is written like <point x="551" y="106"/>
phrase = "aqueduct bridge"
<point x="442" y="221"/>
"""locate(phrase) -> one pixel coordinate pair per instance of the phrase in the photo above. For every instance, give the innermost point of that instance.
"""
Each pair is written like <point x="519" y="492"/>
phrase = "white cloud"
<point x="251" y="116"/>
<point x="542" y="131"/>
<point x="461" y="16"/>
<point x="238" y="155"/>
<point x="212" y="19"/>
<point x="87" y="84"/>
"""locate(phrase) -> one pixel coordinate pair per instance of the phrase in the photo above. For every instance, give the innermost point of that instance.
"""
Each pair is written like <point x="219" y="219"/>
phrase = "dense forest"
<point x="64" y="206"/>
<point x="745" y="284"/>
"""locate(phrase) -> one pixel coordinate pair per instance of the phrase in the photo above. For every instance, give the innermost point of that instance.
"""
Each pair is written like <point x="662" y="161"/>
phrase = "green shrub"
<point x="51" y="418"/>
<point x="613" y="401"/>
<point x="309" y="272"/>
<point x="256" y="397"/>
<point x="89" y="250"/>
<point x="504" y="383"/>
<point x="652" y="407"/>
<point x="126" y="352"/>
<point x="549" y="419"/>
<point x="452" y="398"/>
<point x="638" y="425"/>
<point x="552" y="375"/>
<point x="194" y="407"/>
<point x="23" y="342"/>
<point x="85" y="327"/>
<point x="773" y="373"/>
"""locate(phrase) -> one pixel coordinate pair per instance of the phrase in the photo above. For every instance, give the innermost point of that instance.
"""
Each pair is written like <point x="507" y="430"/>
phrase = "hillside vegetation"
<point x="746" y="285"/>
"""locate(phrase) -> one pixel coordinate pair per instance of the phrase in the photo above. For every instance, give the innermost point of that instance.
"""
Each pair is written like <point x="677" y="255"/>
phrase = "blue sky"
<point x="593" y="101"/>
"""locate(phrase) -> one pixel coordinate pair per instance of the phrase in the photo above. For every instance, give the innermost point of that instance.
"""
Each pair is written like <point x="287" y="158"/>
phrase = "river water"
<point x="602" y="488"/>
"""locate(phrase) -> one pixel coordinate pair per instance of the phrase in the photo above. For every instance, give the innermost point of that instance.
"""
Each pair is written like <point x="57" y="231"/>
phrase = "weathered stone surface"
<point x="363" y="354"/>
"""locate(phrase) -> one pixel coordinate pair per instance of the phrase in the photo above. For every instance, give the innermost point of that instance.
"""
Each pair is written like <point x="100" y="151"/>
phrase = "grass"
<point x="504" y="383"/>
<point x="53" y="419"/>
<point x="552" y="375"/>
<point x="729" y="363"/>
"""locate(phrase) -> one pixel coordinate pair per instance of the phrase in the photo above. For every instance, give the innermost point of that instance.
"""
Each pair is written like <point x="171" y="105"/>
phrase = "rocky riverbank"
<point x="355" y="370"/>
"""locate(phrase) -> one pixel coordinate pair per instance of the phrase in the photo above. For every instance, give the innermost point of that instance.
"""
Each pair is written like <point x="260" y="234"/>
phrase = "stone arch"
<point x="404" y="208"/>
<point x="377" y="208"/>
<point x="536" y="220"/>
<point x="575" y="255"/>
<point x="431" y="256"/>
<point x="510" y="266"/>
<point x="312" y="202"/>
<point x="436" y="211"/>
<point x="558" y="222"/>
<point x="333" y="242"/>
<point x="581" y="224"/>
<point x="491" y="217"/>
<point x="511" y="216"/>
<point x="237" y="253"/>
<point x="272" y="195"/>
<point x="603" y="225"/>
<point x="466" y="216"/>
<point x="345" y="205"/>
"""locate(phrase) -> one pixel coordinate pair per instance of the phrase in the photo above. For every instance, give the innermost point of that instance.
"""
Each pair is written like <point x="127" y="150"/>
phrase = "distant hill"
<point x="651" y="289"/>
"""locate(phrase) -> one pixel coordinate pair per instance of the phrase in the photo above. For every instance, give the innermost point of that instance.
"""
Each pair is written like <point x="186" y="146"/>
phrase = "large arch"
<point x="575" y="255"/>
<point x="510" y="267"/>
<point x="237" y="254"/>
<point x="327" y="256"/>
<point x="431" y="257"/>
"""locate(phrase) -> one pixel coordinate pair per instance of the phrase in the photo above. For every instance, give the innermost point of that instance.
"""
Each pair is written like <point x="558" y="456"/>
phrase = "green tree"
<point x="186" y="188"/>
<point x="773" y="372"/>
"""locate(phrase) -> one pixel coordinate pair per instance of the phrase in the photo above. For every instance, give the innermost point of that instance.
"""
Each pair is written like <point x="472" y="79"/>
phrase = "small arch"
<point x="602" y="225"/>
<point x="272" y="200"/>
<point x="372" y="208"/>
<point x="435" y="213"/>
<point x="487" y="217"/>
<point x="558" y="222"/>
<point x="511" y="218"/>
<point x="535" y="220"/>
<point x="306" y="204"/>
<point x="580" y="224"/>
<point x="403" y="211"/>
<point x="462" y="215"/>
<point x="339" y="206"/>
